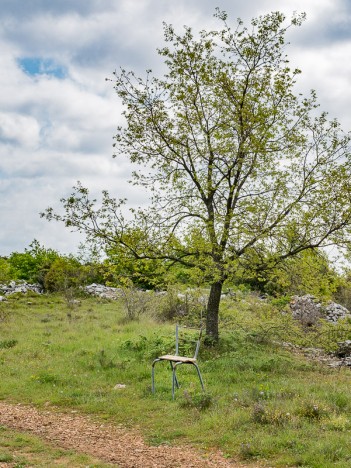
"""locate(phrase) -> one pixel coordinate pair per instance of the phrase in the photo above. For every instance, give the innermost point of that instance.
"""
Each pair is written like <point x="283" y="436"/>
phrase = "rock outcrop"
<point x="105" y="292"/>
<point x="20" y="287"/>
<point x="308" y="310"/>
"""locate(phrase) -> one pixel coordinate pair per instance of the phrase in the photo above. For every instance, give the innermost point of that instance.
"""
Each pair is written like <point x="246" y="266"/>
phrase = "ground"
<point x="114" y="445"/>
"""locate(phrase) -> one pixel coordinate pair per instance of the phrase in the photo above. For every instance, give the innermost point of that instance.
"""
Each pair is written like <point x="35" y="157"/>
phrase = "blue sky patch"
<point x="35" y="66"/>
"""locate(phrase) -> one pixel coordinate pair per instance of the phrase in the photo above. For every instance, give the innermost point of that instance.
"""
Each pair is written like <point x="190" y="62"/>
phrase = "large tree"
<point x="241" y="168"/>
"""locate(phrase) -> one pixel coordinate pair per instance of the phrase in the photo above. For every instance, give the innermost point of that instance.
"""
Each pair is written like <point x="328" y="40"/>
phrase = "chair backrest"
<point x="197" y="337"/>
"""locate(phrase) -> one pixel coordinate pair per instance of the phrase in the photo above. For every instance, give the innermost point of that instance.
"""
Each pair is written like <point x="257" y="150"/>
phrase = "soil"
<point x="111" y="444"/>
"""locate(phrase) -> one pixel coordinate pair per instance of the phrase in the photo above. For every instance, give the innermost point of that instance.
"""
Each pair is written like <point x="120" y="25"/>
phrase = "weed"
<point x="6" y="458"/>
<point x="104" y="361"/>
<point x="248" y="451"/>
<point x="188" y="305"/>
<point x="313" y="410"/>
<point x="200" y="401"/>
<point x="46" y="378"/>
<point x="4" y="313"/>
<point x="261" y="393"/>
<point x="337" y="423"/>
<point x="6" y="344"/>
<point x="263" y="415"/>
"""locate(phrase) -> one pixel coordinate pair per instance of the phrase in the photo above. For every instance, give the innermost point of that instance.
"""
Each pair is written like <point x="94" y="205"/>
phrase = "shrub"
<point x="136" y="302"/>
<point x="33" y="264"/>
<point x="5" y="270"/>
<point x="151" y="348"/>
<point x="175" y="305"/>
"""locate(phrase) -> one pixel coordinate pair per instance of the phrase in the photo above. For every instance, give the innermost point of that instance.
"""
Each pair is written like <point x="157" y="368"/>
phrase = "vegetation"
<point x="243" y="171"/>
<point x="20" y="450"/>
<point x="262" y="403"/>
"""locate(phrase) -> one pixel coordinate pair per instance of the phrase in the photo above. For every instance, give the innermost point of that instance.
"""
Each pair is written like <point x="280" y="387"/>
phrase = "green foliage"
<point x="266" y="322"/>
<point x="5" y="270"/>
<point x="64" y="274"/>
<point x="307" y="273"/>
<point x="33" y="264"/>
<point x="342" y="294"/>
<point x="152" y="347"/>
<point x="55" y="272"/>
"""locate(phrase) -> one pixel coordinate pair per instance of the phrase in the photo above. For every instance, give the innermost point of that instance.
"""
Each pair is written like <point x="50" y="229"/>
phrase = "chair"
<point x="176" y="360"/>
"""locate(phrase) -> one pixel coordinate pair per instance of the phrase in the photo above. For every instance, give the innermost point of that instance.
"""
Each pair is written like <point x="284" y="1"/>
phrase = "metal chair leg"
<point x="200" y="377"/>
<point x="176" y="380"/>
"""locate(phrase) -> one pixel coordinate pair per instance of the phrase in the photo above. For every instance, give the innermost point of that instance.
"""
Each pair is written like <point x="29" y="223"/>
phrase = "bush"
<point x="5" y="270"/>
<point x="33" y="264"/>
<point x="136" y="302"/>
<point x="64" y="274"/>
<point x="175" y="305"/>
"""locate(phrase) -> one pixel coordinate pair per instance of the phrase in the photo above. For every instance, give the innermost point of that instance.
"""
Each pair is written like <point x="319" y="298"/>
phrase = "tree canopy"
<point x="241" y="168"/>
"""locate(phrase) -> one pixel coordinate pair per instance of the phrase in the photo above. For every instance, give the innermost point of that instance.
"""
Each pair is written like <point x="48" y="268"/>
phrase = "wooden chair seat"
<point x="170" y="357"/>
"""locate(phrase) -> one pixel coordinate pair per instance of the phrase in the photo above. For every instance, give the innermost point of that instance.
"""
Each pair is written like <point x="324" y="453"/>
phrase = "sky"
<point x="58" y="114"/>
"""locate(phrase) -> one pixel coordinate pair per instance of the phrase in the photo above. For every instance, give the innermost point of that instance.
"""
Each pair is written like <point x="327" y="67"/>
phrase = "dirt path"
<point x="111" y="444"/>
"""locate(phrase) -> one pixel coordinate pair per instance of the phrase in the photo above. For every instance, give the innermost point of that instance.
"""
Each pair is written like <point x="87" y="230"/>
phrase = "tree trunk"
<point x="213" y="312"/>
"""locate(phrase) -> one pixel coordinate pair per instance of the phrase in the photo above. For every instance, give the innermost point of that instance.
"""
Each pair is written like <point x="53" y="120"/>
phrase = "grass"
<point x="262" y="403"/>
<point x="21" y="450"/>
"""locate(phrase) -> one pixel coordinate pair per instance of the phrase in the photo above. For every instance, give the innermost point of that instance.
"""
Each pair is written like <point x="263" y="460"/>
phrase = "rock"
<point x="119" y="386"/>
<point x="335" y="311"/>
<point x="308" y="310"/>
<point x="106" y="292"/>
<point x="21" y="287"/>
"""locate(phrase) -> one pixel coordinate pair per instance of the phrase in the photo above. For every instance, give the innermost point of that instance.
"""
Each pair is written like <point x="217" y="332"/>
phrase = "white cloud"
<point x="19" y="130"/>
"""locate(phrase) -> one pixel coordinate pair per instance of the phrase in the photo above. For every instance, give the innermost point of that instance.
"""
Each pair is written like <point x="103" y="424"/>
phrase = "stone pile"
<point x="105" y="292"/>
<point x="334" y="312"/>
<point x="308" y="310"/>
<point x="22" y="287"/>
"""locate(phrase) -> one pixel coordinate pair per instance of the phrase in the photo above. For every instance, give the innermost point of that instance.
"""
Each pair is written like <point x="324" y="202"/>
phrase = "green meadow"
<point x="263" y="403"/>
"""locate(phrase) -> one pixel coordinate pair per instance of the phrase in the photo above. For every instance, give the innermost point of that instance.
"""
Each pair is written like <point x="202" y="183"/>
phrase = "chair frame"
<point x="176" y="360"/>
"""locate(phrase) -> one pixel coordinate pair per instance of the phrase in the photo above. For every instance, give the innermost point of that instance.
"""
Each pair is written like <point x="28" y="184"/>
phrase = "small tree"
<point x="33" y="263"/>
<point x="241" y="169"/>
